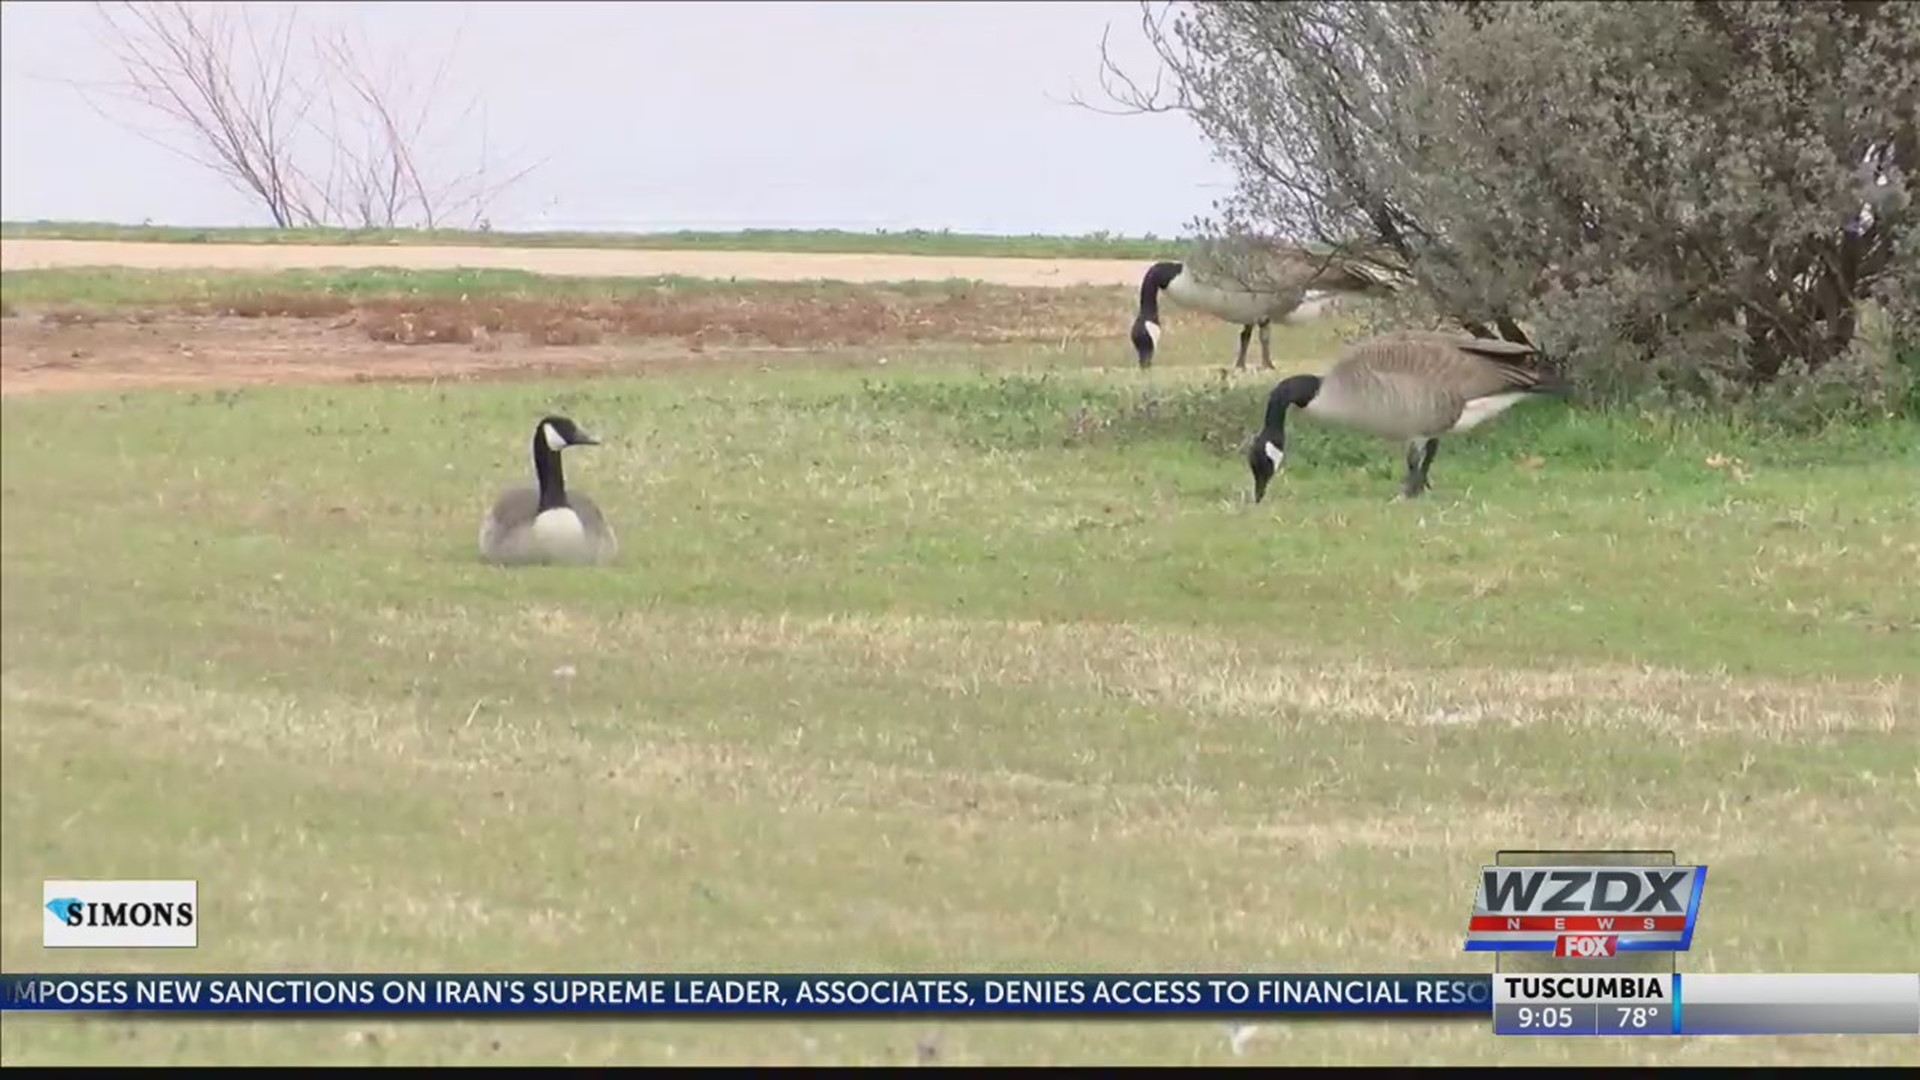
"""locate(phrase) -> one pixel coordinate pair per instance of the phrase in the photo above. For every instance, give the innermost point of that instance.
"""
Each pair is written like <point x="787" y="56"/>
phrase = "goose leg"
<point x="1266" y="345"/>
<point x="1246" y="335"/>
<point x="1419" y="460"/>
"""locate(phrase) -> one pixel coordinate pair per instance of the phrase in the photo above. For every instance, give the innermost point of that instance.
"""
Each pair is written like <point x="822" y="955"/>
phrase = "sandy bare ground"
<point x="198" y="352"/>
<point x="31" y="254"/>
<point x="182" y="350"/>
<point x="195" y="352"/>
<point x="325" y="339"/>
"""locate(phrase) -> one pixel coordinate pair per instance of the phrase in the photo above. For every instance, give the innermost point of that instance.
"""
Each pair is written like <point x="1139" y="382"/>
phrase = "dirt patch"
<point x="30" y="254"/>
<point x="224" y="351"/>
<point x="259" y="338"/>
<point x="787" y="317"/>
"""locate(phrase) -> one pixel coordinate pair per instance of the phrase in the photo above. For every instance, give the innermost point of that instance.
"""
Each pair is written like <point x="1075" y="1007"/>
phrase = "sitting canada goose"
<point x="547" y="524"/>
<point x="1412" y="387"/>
<point x="1251" y="284"/>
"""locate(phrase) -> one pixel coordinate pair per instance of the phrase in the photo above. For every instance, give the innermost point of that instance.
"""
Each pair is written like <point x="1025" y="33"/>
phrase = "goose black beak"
<point x="582" y="438"/>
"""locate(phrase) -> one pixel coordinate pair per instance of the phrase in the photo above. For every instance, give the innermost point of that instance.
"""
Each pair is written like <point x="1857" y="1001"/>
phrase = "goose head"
<point x="1264" y="456"/>
<point x="1146" y="322"/>
<point x="1146" y="337"/>
<point x="1269" y="448"/>
<point x="558" y="432"/>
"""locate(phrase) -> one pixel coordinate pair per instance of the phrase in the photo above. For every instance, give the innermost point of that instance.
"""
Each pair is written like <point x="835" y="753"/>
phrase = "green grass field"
<point x="967" y="666"/>
<point x="837" y="241"/>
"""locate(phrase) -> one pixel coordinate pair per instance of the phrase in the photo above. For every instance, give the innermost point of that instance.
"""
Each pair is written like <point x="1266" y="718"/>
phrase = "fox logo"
<point x="1587" y="946"/>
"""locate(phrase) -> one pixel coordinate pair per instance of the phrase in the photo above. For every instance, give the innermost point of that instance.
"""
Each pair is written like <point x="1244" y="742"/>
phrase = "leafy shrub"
<point x="1692" y="200"/>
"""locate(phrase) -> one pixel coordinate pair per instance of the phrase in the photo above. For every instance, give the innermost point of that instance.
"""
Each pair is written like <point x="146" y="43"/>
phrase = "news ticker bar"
<point x="1433" y="996"/>
<point x="1543" y="1004"/>
<point x="1706" y="1004"/>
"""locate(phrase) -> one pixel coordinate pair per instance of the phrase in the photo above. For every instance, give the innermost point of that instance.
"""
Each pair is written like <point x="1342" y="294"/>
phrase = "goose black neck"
<point x="546" y="466"/>
<point x="1297" y="390"/>
<point x="1158" y="277"/>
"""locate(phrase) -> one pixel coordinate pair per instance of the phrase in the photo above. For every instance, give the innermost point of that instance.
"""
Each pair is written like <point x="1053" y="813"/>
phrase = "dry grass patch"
<point x="1238" y="674"/>
<point x="443" y="307"/>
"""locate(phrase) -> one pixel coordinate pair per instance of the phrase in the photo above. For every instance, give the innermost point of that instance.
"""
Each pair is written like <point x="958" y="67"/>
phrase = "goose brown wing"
<point x="506" y="530"/>
<point x="1390" y="388"/>
<point x="598" y="531"/>
<point x="515" y="508"/>
<point x="1464" y="366"/>
<point x="1271" y="267"/>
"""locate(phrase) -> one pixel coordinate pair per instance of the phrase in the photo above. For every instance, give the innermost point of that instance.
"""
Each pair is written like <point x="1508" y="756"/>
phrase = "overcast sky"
<point x="683" y="115"/>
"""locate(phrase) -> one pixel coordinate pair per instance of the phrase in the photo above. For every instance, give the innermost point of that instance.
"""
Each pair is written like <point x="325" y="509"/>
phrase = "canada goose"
<point x="1412" y="387"/>
<point x="1252" y="285"/>
<point x="547" y="524"/>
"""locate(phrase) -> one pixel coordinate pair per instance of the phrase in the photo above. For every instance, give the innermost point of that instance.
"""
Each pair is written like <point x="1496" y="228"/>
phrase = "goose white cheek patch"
<point x="554" y="441"/>
<point x="1153" y="333"/>
<point x="1275" y="455"/>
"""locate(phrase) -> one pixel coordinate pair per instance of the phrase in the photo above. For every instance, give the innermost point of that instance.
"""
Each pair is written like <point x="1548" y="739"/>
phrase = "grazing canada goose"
<point x="547" y="524"/>
<point x="1252" y="285"/>
<point x="1411" y="387"/>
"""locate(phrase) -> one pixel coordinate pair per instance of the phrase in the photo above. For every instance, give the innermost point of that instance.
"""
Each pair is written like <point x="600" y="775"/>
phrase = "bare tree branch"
<point x="315" y="136"/>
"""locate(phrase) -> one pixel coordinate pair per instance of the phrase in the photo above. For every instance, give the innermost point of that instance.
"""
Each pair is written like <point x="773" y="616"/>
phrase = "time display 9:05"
<point x="1545" y="1016"/>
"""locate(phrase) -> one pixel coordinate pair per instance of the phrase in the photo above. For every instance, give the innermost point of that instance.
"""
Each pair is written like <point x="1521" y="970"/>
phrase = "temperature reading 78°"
<point x="1634" y="1017"/>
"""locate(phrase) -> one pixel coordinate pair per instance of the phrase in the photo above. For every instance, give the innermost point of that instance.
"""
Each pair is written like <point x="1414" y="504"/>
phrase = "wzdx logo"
<point x="121" y="915"/>
<point x="1585" y="912"/>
